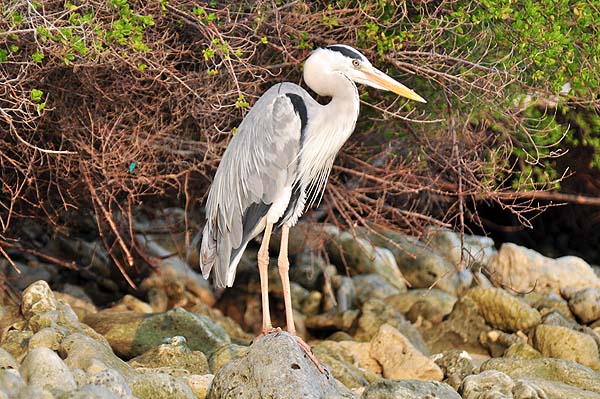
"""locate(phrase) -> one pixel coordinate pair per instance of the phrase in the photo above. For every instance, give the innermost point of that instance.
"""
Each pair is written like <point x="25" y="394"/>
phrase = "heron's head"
<point x="349" y="62"/>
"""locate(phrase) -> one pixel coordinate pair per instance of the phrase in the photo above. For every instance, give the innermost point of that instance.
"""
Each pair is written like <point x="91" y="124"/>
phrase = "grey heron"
<point x="278" y="162"/>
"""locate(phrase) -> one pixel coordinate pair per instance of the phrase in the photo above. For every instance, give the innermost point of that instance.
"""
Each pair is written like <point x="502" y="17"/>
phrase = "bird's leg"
<point x="284" y="267"/>
<point x="263" y="264"/>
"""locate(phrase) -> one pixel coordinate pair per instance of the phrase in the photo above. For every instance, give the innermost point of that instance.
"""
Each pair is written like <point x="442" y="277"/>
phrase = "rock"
<point x="31" y="392"/>
<point x="524" y="270"/>
<point x="274" y="367"/>
<point x="559" y="370"/>
<point x="43" y="368"/>
<point x="224" y="354"/>
<point x="7" y="361"/>
<point x="475" y="249"/>
<point x="373" y="286"/>
<point x="460" y="331"/>
<point x="375" y="313"/>
<point x="497" y="342"/>
<point x="399" y="359"/>
<point x="16" y="342"/>
<point x="231" y="327"/>
<point x="489" y="384"/>
<point x="332" y="320"/>
<point x="494" y="384"/>
<point x="200" y="384"/>
<point x="11" y="382"/>
<point x="504" y="311"/>
<point x="83" y="352"/>
<point x="420" y="265"/>
<point x="90" y="392"/>
<point x="586" y="305"/>
<point x="521" y="350"/>
<point x="360" y="351"/>
<point x="409" y="389"/>
<point x="112" y="381"/>
<point x="82" y="306"/>
<point x="173" y="353"/>
<point x="558" y="319"/>
<point x="456" y="365"/>
<point x="363" y="257"/>
<point x="308" y="271"/>
<point x="548" y="302"/>
<point x="129" y="302"/>
<point x="345" y="292"/>
<point x="161" y="386"/>
<point x="563" y="343"/>
<point x="311" y="304"/>
<point x="340" y="364"/>
<point x="48" y="337"/>
<point x="37" y="298"/>
<point x="438" y="299"/>
<point x="131" y="334"/>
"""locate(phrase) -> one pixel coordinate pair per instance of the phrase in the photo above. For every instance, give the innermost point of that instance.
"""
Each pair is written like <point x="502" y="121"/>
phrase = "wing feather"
<point x="259" y="162"/>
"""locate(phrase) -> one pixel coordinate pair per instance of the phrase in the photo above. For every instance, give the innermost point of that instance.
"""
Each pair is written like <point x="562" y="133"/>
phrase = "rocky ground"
<point x="389" y="316"/>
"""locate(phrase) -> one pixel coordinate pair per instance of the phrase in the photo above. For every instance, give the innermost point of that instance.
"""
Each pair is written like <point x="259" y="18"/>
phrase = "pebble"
<point x="7" y="361"/>
<point x="173" y="353"/>
<point x="161" y="386"/>
<point x="43" y="368"/>
<point x="373" y="286"/>
<point x="37" y="298"/>
<point x="585" y="304"/>
<point x="11" y="382"/>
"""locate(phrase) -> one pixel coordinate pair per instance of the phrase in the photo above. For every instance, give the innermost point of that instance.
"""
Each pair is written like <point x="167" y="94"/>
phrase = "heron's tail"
<point x="208" y="252"/>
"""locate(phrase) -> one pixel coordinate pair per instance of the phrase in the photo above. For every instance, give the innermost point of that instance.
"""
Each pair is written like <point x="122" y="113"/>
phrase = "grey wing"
<point x="258" y="164"/>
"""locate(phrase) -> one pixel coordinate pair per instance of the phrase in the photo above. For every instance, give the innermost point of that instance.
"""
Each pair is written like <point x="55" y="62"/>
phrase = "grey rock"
<point x="37" y="298"/>
<point x="475" y="249"/>
<point x="345" y="292"/>
<point x="586" y="305"/>
<point x="311" y="304"/>
<point x="83" y="352"/>
<point x="48" y="337"/>
<point x="224" y="354"/>
<point x="528" y="387"/>
<point x="556" y="318"/>
<point x="460" y="331"/>
<point x="409" y="389"/>
<point x="30" y="392"/>
<point x="362" y="256"/>
<point x="375" y="313"/>
<point x="547" y="303"/>
<point x="420" y="265"/>
<point x="308" y="271"/>
<point x="374" y="286"/>
<point x="488" y="384"/>
<point x="131" y="333"/>
<point x="161" y="386"/>
<point x="521" y="350"/>
<point x="89" y="392"/>
<point x="274" y="367"/>
<point x="564" y="371"/>
<point x="174" y="353"/>
<point x="112" y="381"/>
<point x="11" y="382"/>
<point x="43" y="368"/>
<point x="456" y="365"/>
<point x="7" y="361"/>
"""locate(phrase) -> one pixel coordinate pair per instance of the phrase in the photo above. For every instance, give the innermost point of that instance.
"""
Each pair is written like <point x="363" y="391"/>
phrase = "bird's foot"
<point x="306" y="348"/>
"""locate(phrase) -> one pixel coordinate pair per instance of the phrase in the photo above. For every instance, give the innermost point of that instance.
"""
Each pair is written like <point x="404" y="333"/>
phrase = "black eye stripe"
<point x="345" y="51"/>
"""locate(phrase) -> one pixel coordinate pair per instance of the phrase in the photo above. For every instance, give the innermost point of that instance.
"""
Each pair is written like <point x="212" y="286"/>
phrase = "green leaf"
<point x="38" y="56"/>
<point x="36" y="95"/>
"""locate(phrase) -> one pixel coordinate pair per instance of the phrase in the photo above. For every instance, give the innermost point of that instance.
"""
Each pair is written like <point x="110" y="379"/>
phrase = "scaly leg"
<point x="284" y="267"/>
<point x="263" y="264"/>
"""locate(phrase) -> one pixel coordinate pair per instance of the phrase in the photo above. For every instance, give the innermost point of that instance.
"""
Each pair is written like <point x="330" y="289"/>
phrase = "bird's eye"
<point x="355" y="63"/>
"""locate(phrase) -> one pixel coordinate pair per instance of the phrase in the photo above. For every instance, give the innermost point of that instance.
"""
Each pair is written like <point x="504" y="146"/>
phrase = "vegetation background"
<point x="114" y="109"/>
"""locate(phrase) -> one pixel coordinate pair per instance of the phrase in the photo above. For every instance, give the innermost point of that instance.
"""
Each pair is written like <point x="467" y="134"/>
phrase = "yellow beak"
<point x="382" y="81"/>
